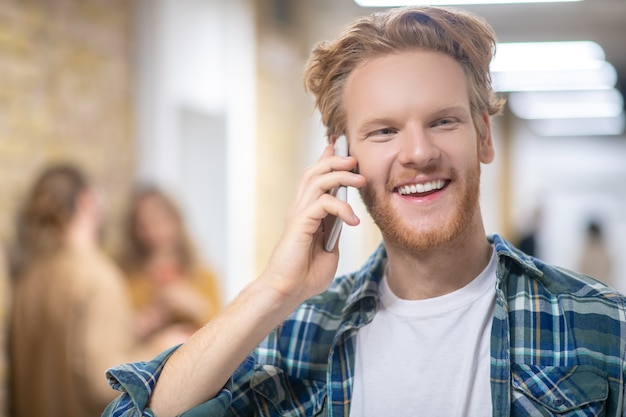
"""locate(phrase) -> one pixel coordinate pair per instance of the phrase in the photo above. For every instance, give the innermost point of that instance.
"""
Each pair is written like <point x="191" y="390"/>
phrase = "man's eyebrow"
<point x="453" y="108"/>
<point x="374" y="123"/>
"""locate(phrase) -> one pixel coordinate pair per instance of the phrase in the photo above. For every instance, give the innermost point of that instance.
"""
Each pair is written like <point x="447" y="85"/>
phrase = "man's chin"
<point x="417" y="241"/>
<point x="417" y="236"/>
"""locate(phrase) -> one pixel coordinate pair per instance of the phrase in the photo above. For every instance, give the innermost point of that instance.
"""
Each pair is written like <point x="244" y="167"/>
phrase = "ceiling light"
<point x="579" y="127"/>
<point x="532" y="66"/>
<point x="392" y="3"/>
<point x="597" y="76"/>
<point x="566" y="104"/>
<point x="545" y="56"/>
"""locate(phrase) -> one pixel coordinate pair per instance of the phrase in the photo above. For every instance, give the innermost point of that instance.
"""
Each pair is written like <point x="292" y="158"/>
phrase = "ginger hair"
<point x="465" y="37"/>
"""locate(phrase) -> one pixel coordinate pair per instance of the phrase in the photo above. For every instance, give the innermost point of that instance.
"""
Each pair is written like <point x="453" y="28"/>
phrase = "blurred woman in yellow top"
<point x="168" y="283"/>
<point x="71" y="313"/>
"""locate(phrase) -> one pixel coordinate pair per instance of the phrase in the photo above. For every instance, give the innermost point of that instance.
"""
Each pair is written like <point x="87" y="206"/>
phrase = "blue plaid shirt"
<point x="557" y="348"/>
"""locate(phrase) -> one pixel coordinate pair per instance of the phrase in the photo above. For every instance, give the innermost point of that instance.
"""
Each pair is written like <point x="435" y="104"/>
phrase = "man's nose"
<point x="418" y="147"/>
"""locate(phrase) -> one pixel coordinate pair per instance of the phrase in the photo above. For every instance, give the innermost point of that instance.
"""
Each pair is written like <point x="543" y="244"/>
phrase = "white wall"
<point x="196" y="57"/>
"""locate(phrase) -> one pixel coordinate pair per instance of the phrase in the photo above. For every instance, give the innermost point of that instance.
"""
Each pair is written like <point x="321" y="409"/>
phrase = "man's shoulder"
<point x="580" y="290"/>
<point x="531" y="284"/>
<point x="528" y="277"/>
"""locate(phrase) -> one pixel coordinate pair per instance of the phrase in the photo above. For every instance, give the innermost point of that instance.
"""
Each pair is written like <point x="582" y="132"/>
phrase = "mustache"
<point x="410" y="174"/>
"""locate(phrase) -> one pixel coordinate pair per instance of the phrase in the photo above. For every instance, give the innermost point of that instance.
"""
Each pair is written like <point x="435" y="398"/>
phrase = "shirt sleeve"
<point x="136" y="382"/>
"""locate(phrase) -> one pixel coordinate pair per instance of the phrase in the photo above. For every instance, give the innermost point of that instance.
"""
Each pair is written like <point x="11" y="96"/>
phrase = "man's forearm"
<point x="199" y="369"/>
<point x="298" y="268"/>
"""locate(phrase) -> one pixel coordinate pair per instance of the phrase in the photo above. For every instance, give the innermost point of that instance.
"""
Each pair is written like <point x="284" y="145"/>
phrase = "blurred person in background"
<point x="595" y="259"/>
<point x="528" y="241"/>
<point x="169" y="284"/>
<point x="71" y="316"/>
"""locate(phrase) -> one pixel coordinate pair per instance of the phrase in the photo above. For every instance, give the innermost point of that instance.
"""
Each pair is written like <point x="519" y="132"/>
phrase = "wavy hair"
<point x="465" y="37"/>
<point x="135" y="252"/>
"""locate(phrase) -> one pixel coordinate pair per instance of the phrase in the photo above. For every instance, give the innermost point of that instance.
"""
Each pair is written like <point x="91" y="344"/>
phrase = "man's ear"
<point x="486" y="150"/>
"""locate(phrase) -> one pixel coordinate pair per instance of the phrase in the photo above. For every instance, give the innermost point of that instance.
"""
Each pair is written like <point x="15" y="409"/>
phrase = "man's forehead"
<point x="432" y="81"/>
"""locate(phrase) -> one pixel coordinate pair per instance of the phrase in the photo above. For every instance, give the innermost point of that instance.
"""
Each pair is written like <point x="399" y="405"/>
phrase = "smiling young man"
<point x="441" y="320"/>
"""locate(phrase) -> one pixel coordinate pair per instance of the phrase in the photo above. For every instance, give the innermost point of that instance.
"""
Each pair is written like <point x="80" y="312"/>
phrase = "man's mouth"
<point x="421" y="188"/>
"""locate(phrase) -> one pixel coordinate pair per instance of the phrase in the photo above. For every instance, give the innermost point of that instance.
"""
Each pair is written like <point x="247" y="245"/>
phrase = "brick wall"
<point x="65" y="94"/>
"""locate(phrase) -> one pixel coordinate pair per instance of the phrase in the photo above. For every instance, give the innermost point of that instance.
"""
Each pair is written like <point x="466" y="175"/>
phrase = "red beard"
<point x="395" y="232"/>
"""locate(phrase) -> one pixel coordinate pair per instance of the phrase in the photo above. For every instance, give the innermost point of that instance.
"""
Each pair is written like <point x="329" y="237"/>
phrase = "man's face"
<point x="410" y="127"/>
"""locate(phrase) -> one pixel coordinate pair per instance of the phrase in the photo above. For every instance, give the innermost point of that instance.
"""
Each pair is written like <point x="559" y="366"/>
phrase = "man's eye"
<point x="444" y="122"/>
<point x="385" y="131"/>
<point x="382" y="135"/>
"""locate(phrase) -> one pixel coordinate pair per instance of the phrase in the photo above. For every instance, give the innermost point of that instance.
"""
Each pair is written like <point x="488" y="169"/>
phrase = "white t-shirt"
<point x="427" y="357"/>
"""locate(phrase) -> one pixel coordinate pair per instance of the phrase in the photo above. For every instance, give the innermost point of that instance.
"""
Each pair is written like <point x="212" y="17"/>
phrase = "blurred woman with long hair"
<point x="71" y="316"/>
<point x="168" y="281"/>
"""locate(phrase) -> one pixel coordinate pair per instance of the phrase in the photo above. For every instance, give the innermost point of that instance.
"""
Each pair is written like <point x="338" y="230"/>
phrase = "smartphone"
<point x="332" y="224"/>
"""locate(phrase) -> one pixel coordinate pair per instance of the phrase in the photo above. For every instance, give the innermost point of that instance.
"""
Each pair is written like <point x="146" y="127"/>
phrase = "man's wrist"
<point x="277" y="300"/>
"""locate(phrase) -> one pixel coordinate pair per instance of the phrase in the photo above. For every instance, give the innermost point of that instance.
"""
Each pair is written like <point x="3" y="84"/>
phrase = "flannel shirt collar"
<point x="364" y="297"/>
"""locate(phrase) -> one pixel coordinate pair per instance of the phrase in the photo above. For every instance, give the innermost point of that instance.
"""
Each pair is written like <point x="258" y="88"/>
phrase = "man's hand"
<point x="299" y="266"/>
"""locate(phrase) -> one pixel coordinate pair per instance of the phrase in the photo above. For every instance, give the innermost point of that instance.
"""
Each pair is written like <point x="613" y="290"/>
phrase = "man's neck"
<point x="431" y="273"/>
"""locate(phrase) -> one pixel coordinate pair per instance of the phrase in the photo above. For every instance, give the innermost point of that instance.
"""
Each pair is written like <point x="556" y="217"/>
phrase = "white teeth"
<point x="421" y="188"/>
